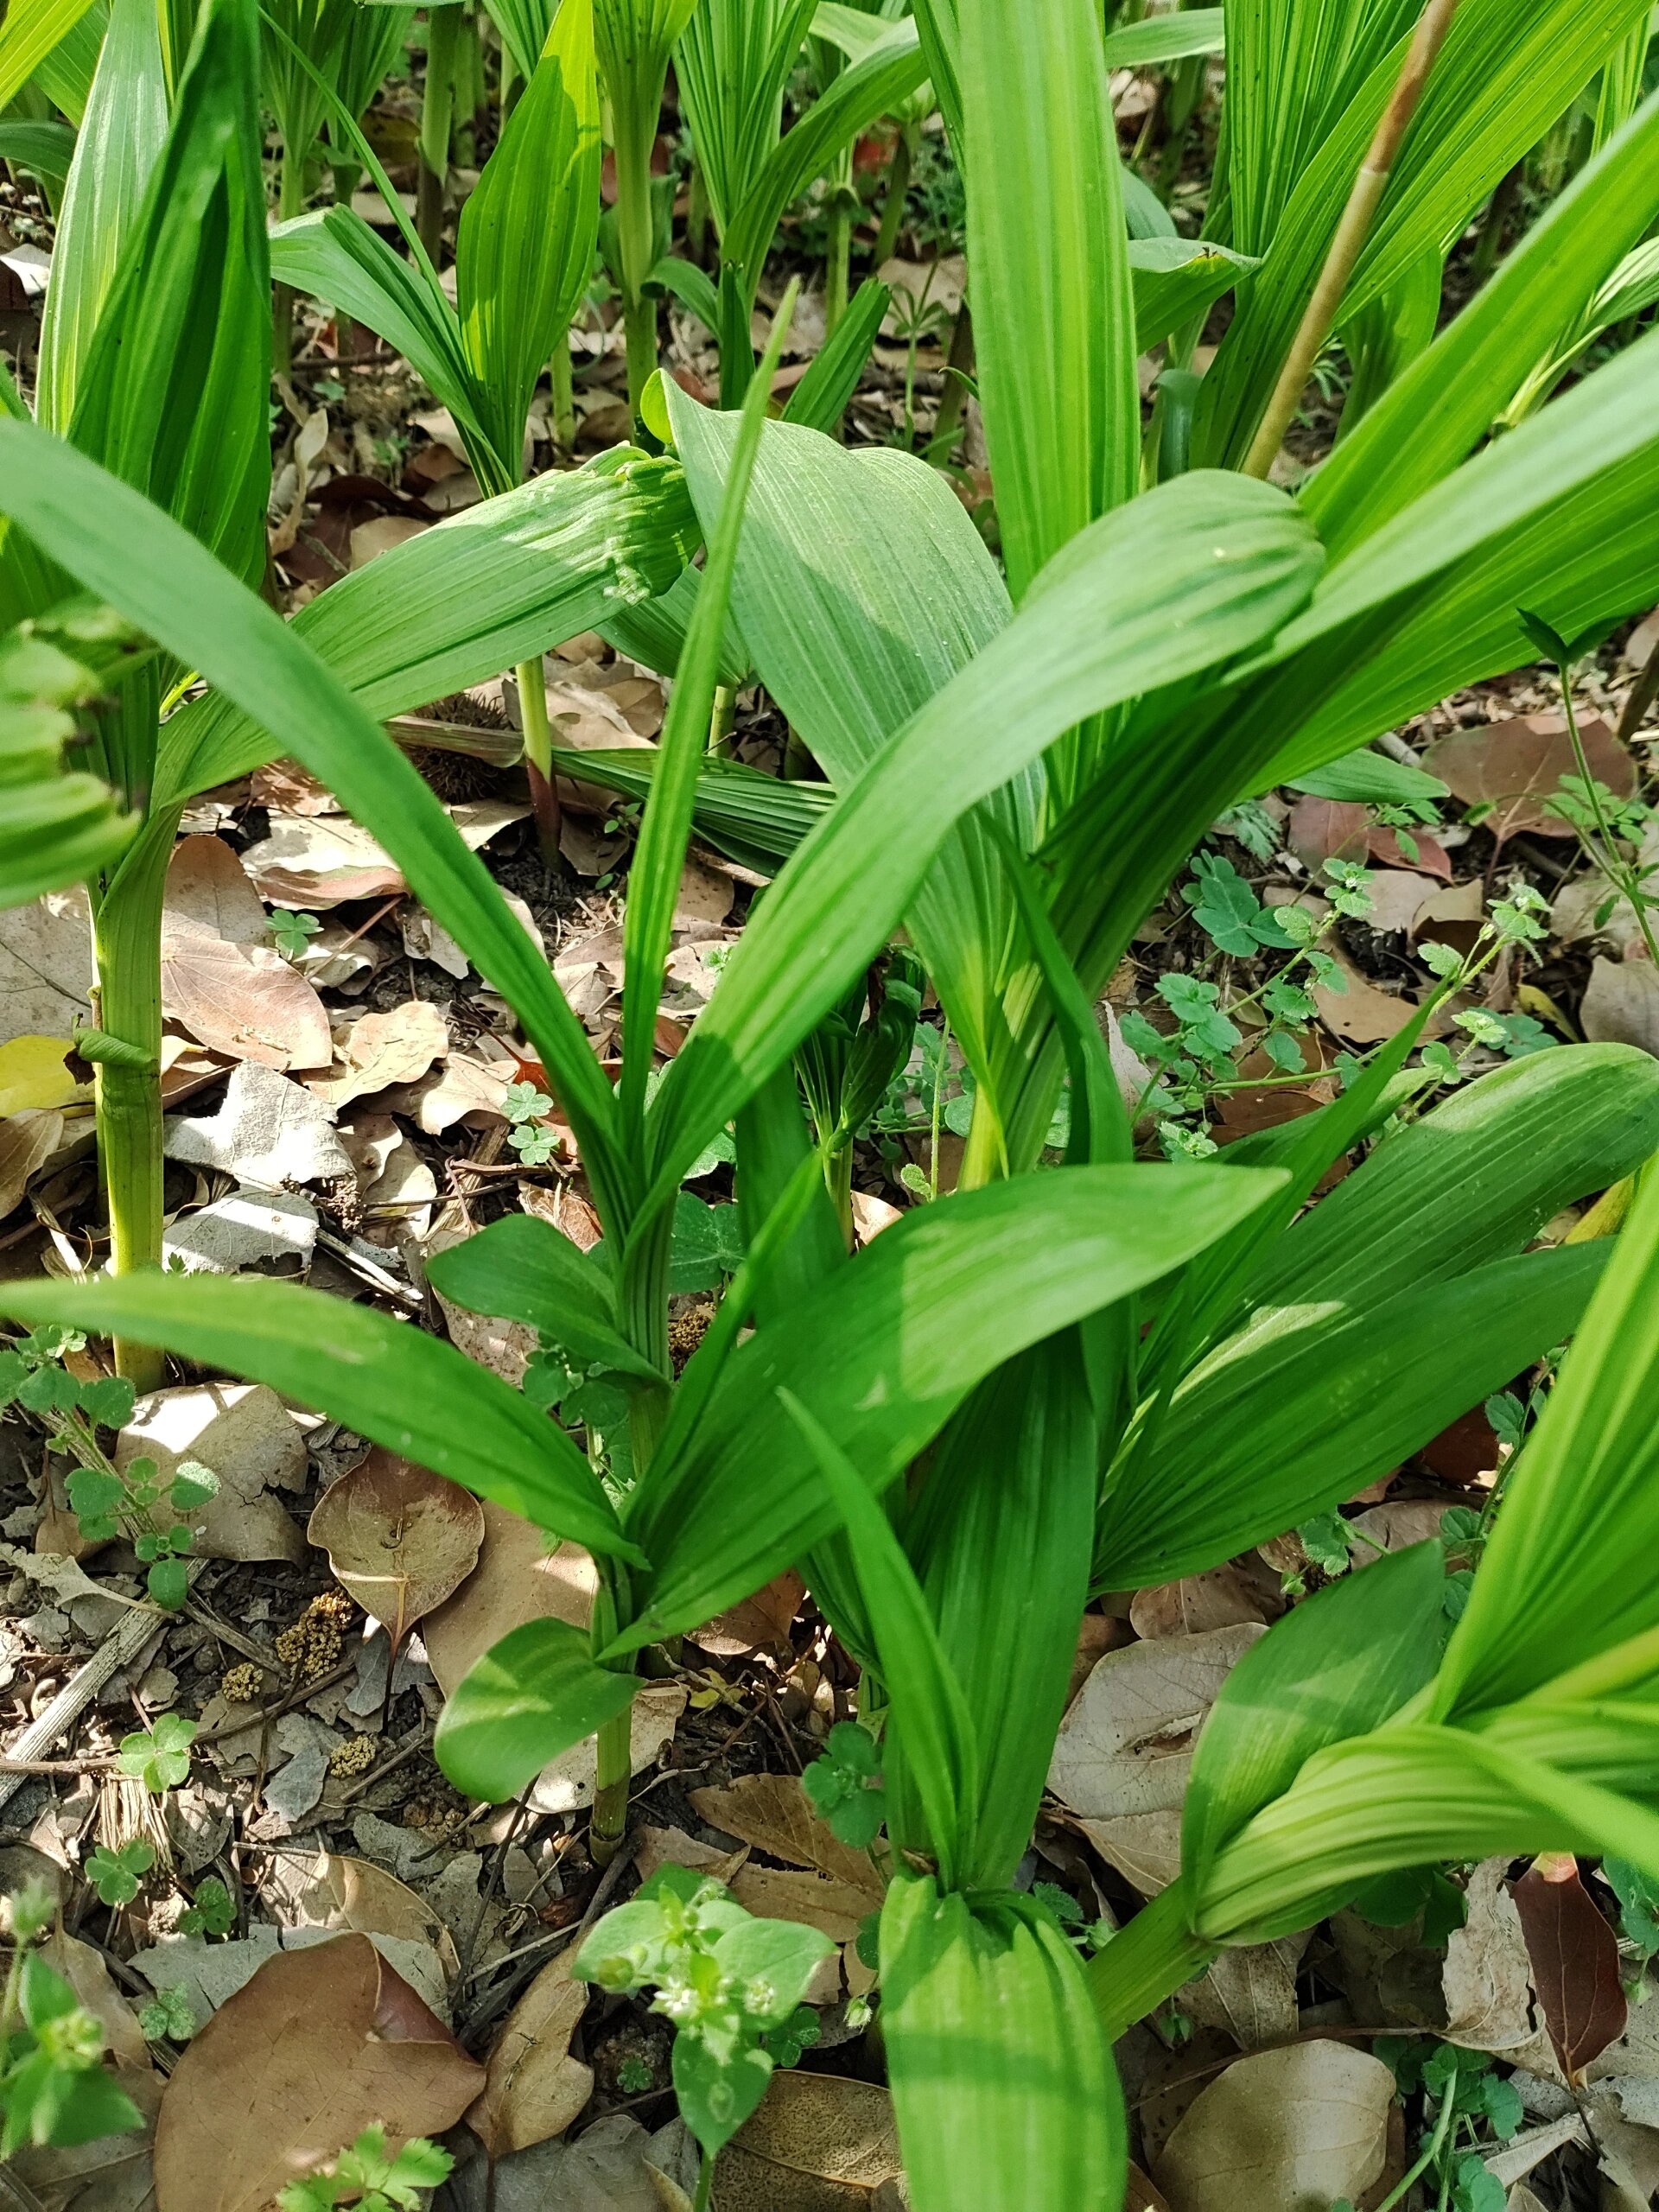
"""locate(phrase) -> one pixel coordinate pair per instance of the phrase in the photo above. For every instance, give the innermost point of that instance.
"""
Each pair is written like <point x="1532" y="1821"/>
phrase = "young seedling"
<point x="731" y="1984"/>
<point x="292" y="931"/>
<point x="168" y="2017"/>
<point x="212" y="1912"/>
<point x="52" y="2087"/>
<point x="118" y="1874"/>
<point x="844" y="1783"/>
<point x="159" y="1757"/>
<point x="364" y="2176"/>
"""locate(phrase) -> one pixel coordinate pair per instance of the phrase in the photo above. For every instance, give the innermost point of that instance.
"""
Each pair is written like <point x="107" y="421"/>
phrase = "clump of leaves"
<point x="526" y="1109"/>
<point x="107" y="1500"/>
<point x="364" y="2176"/>
<point x="53" y="2087"/>
<point x="159" y="1757"/>
<point x="168" y="2017"/>
<point x="1468" y="2103"/>
<point x="118" y="1874"/>
<point x="845" y="1784"/>
<point x="731" y="1984"/>
<point x="1089" y="1936"/>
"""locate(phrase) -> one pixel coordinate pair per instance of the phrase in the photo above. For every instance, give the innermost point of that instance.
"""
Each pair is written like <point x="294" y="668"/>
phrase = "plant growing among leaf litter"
<point x="52" y="2087"/>
<point x="369" y="2178"/>
<point x="1425" y="558"/>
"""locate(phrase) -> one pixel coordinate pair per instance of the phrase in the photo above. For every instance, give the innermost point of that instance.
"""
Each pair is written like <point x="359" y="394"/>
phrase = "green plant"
<point x="159" y="1757"/>
<point x="844" y="1783"/>
<point x="366" y="2175"/>
<point x="731" y="1984"/>
<point x="293" y="931"/>
<point x="212" y="1912"/>
<point x="118" y="1875"/>
<point x="52" y="2087"/>
<point x="168" y="2017"/>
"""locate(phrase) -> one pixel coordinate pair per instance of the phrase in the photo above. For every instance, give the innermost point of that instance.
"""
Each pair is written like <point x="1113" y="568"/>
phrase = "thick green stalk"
<point x="1156" y="1954"/>
<point x="636" y="235"/>
<point x="892" y="207"/>
<point x="438" y="118"/>
<point x="837" y="274"/>
<point x="538" y="756"/>
<point x="127" y="952"/>
<point x="290" y="201"/>
<point x="561" y="383"/>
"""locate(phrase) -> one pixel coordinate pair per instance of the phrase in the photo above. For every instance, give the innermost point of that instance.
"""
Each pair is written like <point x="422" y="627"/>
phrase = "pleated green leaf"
<point x="481" y="592"/>
<point x="732" y="61"/>
<point x="1313" y="1401"/>
<point x="1002" y="2080"/>
<point x="534" y="1695"/>
<point x="882" y="1352"/>
<point x="169" y="587"/>
<point x="1164" y="589"/>
<point x="391" y="1382"/>
<point x="928" y="1713"/>
<point x="1172" y="279"/>
<point x="526" y="244"/>
<point x="523" y="1270"/>
<point x="755" y="819"/>
<point x="29" y="31"/>
<point x="1436" y="414"/>
<point x="1567" y="1573"/>
<point x="121" y="136"/>
<point x="44" y="150"/>
<point x="1499" y="82"/>
<point x="1167" y="38"/>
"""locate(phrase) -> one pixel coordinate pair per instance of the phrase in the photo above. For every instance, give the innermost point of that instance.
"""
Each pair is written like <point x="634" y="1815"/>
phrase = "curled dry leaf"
<point x="244" y="1434"/>
<point x="46" y="966"/>
<point x="269" y="1132"/>
<point x="354" y="1896"/>
<point x="1127" y="1742"/>
<point x="1621" y="1004"/>
<point x="1487" y="1984"/>
<point x="1576" y="1967"/>
<point x="1513" y="767"/>
<point x="1250" y="1992"/>
<point x="758" y="1623"/>
<point x="321" y="2043"/>
<point x="1283" y="2131"/>
<point x="221" y="978"/>
<point x="1141" y="2196"/>
<point x="1328" y="829"/>
<point x="1364" y="1012"/>
<point x="773" y="1813"/>
<point x="380" y="1049"/>
<point x="28" y="1142"/>
<point x="534" y="2088"/>
<point x="517" y="1580"/>
<point x="399" y="1538"/>
<point x="1225" y="1597"/>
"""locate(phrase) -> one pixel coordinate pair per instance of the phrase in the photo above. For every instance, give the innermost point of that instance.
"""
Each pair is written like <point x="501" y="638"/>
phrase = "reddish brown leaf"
<point x="1513" y="767"/>
<point x="1328" y="829"/>
<point x="1574" y="1957"/>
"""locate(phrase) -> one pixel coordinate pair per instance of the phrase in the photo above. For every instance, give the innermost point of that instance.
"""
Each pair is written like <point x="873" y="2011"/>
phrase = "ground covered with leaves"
<point x="229" y="1626"/>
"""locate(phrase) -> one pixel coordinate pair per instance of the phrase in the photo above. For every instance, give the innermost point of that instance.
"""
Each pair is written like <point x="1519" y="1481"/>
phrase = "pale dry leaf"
<point x="1532" y="2146"/>
<point x="1141" y="2195"/>
<point x="605" y="2170"/>
<point x="673" y="1848"/>
<point x="773" y="1813"/>
<point x="834" y="1909"/>
<point x="534" y="2088"/>
<point x="113" y="2174"/>
<point x="475" y="1081"/>
<point x="1126" y="1744"/>
<point x="817" y="2143"/>
<point x="343" y="1894"/>
<point x="1521" y="2199"/>
<point x="567" y="1782"/>
<point x="380" y="533"/>
<point x="1224" y="1597"/>
<point x="758" y="1622"/>
<point x="269" y="1132"/>
<point x="317" y="861"/>
<point x="1621" y="1004"/>
<point x="244" y="1434"/>
<point x="88" y="1975"/>
<point x="46" y="966"/>
<point x="1144" y="1847"/>
<point x="1398" y="896"/>
<point x="1281" y="2131"/>
<point x="1486" y="1977"/>
<point x="320" y="2044"/>
<point x="1361" y="1012"/>
<point x="28" y="1142"/>
<point x="517" y="1578"/>
<point x="705" y="895"/>
<point x="220" y="978"/>
<point x="247" y="1229"/>
<point x="399" y="1538"/>
<point x="396" y="1046"/>
<point x="426" y="939"/>
<point x="1250" y="1992"/>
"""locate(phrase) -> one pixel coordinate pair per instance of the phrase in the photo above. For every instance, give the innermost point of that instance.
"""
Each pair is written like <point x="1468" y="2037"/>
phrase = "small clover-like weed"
<point x="845" y="1784"/>
<point x="118" y="1874"/>
<point x="159" y="1757"/>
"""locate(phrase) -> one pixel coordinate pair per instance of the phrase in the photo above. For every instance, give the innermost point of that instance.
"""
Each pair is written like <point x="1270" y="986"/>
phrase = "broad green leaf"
<point x="318" y="29"/>
<point x="533" y="1696"/>
<point x="120" y="139"/>
<point x="928" y="1712"/>
<point x="1173" y="280"/>
<point x="1437" y="413"/>
<point x="44" y="150"/>
<point x="820" y="399"/>
<point x="388" y="1382"/>
<point x="169" y="587"/>
<point x="692" y="287"/>
<point x="481" y="592"/>
<point x="885" y="1351"/>
<point x="1054" y="323"/>
<point x="1472" y="1181"/>
<point x="1231" y="555"/>
<point x="1498" y="83"/>
<point x="29" y="31"/>
<point x="1334" y="1667"/>
<point x="332" y="254"/>
<point x="524" y="25"/>
<point x="1313" y="1401"/>
<point x="1567" y="1573"/>
<point x="755" y="819"/>
<point x="1370" y="779"/>
<point x="525" y="249"/>
<point x="523" y="1270"/>
<point x="1167" y="38"/>
<point x="1002" y="2080"/>
<point x="65" y="75"/>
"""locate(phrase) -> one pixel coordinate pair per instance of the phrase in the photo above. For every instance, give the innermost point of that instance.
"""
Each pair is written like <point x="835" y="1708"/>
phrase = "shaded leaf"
<point x="1576" y="1967"/>
<point x="399" y="1538"/>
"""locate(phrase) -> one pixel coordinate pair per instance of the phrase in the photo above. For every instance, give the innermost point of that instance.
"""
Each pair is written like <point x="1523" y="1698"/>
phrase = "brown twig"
<point x="1357" y="216"/>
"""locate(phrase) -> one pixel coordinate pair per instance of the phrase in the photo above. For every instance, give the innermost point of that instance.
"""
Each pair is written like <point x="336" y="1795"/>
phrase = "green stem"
<point x="561" y="379"/>
<point x="960" y="359"/>
<point x="290" y="200"/>
<point x="538" y="756"/>
<point x="126" y="951"/>
<point x="722" y="722"/>
<point x="705" y="2182"/>
<point x="610" y="1818"/>
<point x="1156" y="1954"/>
<point x="1607" y="859"/>
<point x="837" y="275"/>
<point x="438" y="118"/>
<point x="892" y="207"/>
<point x="636" y="237"/>
<point x="1442" y="2122"/>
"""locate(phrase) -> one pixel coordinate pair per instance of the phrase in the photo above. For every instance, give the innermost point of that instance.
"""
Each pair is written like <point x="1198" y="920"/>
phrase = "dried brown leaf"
<point x="1328" y="829"/>
<point x="221" y="979"/>
<point x="321" y="2043"/>
<point x="1576" y="1967"/>
<point x="773" y="1814"/>
<point x="396" y="1046"/>
<point x="1224" y="1597"/>
<point x="534" y="2088"/>
<point x="818" y="2142"/>
<point x="1125" y="1746"/>
<point x="399" y="1538"/>
<point x="517" y="1580"/>
<point x="1514" y="766"/>
<point x="1485" y="1979"/>
<point x="1621" y="1004"/>
<point x="1282" y="2131"/>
